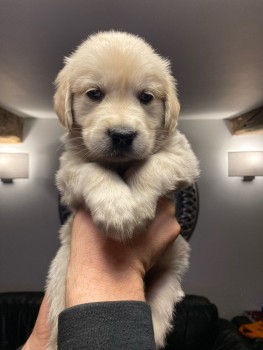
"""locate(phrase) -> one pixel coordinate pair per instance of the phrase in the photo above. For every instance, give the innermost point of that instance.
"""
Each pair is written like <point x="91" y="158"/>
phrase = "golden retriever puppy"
<point x="117" y="98"/>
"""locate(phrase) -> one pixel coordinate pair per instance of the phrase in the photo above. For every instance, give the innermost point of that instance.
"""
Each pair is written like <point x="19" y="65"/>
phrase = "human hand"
<point x="40" y="335"/>
<point x="101" y="269"/>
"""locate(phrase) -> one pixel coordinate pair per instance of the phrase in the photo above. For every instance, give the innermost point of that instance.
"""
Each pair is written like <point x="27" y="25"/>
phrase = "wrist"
<point x="103" y="287"/>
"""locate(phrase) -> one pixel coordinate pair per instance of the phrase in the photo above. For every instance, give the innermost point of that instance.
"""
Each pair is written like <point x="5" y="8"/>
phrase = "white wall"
<point x="226" y="261"/>
<point x="227" y="246"/>
<point x="28" y="211"/>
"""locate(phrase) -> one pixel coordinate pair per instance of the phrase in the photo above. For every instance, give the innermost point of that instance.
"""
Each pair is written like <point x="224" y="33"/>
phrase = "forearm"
<point x="109" y="276"/>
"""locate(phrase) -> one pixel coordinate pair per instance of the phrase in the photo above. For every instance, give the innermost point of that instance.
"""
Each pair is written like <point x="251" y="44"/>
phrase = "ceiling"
<point x="216" y="48"/>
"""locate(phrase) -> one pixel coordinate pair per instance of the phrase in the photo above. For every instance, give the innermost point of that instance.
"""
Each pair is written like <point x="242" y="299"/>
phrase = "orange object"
<point x="252" y="330"/>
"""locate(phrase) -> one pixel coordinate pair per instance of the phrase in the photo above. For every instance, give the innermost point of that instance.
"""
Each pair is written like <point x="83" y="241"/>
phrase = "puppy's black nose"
<point x="122" y="138"/>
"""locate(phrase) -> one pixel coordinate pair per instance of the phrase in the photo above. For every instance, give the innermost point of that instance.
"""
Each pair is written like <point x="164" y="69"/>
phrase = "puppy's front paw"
<point x="69" y="190"/>
<point x="70" y="200"/>
<point x="114" y="216"/>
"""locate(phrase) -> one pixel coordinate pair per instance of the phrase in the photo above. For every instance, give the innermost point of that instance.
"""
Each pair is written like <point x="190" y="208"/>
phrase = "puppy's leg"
<point x="103" y="192"/>
<point x="172" y="168"/>
<point x="56" y="281"/>
<point x="163" y="288"/>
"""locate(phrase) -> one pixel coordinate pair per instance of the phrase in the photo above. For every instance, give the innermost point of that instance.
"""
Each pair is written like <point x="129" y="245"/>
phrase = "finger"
<point x="166" y="204"/>
<point x="164" y="229"/>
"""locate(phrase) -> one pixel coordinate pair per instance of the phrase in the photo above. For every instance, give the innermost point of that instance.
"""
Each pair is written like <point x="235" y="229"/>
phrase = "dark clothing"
<point x="106" y="326"/>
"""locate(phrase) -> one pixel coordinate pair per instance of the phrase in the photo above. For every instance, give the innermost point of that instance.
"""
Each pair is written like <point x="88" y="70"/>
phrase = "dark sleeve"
<point x="107" y="326"/>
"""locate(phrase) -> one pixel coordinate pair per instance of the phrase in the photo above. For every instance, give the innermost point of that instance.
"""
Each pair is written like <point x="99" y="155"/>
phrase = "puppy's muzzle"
<point x="122" y="139"/>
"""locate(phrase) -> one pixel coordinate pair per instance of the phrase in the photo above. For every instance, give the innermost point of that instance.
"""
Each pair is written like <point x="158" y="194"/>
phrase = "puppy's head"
<point x="119" y="95"/>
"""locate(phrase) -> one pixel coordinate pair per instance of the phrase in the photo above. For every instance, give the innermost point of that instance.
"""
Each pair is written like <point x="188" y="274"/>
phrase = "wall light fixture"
<point x="13" y="166"/>
<point x="245" y="164"/>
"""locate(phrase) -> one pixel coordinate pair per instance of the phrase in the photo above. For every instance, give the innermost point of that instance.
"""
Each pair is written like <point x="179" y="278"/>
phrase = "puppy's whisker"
<point x="60" y="148"/>
<point x="80" y="152"/>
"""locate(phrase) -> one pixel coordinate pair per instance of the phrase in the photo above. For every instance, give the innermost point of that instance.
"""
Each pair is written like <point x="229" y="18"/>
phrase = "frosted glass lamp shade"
<point x="245" y="164"/>
<point x="13" y="166"/>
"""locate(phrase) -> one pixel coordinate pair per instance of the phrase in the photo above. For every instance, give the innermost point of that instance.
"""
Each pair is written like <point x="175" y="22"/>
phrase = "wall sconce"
<point x="245" y="164"/>
<point x="13" y="166"/>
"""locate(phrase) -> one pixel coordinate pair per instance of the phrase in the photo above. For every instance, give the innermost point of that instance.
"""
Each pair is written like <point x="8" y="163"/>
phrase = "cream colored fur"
<point x="121" y="192"/>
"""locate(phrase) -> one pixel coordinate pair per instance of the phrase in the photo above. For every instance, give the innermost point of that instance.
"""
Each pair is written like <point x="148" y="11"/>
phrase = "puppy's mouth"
<point x="121" y="144"/>
<point x="120" y="156"/>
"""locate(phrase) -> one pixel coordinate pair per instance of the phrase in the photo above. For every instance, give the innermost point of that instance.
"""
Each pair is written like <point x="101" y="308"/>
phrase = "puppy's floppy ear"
<point x="172" y="106"/>
<point x="62" y="98"/>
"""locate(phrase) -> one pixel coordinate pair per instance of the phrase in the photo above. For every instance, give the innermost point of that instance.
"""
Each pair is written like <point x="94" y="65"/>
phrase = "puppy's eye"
<point x="145" y="97"/>
<point x="95" y="94"/>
